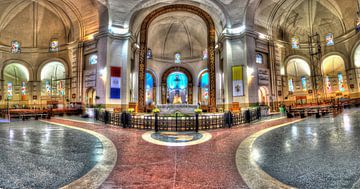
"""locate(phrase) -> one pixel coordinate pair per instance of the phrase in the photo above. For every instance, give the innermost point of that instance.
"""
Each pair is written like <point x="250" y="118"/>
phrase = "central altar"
<point x="173" y="108"/>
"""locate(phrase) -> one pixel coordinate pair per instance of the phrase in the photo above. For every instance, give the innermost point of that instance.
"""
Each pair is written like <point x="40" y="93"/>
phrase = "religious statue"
<point x="177" y="99"/>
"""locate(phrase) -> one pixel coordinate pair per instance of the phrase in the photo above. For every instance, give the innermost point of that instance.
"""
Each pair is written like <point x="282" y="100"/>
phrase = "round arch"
<point x="42" y="65"/>
<point x="355" y="55"/>
<point x="332" y="59"/>
<point x="211" y="49"/>
<point x="164" y="83"/>
<point x="21" y="62"/>
<point x="154" y="85"/>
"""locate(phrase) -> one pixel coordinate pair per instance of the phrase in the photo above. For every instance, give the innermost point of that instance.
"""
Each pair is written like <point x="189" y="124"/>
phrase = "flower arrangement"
<point x="198" y="111"/>
<point x="131" y="110"/>
<point x="156" y="110"/>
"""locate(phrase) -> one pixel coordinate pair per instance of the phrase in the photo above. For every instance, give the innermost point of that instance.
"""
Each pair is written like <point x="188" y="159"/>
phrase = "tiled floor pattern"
<point x="144" y="165"/>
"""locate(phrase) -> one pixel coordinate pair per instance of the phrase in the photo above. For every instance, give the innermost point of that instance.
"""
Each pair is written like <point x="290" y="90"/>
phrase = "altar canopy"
<point x="177" y="88"/>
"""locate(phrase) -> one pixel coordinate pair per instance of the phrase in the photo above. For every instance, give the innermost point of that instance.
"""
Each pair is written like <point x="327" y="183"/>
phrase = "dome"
<point x="177" y="32"/>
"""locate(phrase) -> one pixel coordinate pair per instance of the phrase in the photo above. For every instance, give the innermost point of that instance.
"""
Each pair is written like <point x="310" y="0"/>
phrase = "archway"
<point x="298" y="73"/>
<point x="263" y="96"/>
<point x="53" y="81"/>
<point x="334" y="74"/>
<point x="16" y="77"/>
<point x="150" y="87"/>
<point x="144" y="49"/>
<point x="91" y="97"/>
<point x="203" y="91"/>
<point x="177" y="83"/>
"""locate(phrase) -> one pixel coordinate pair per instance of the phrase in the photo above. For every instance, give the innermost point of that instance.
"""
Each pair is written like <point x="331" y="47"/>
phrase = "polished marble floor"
<point x="141" y="164"/>
<point x="315" y="153"/>
<point x="34" y="154"/>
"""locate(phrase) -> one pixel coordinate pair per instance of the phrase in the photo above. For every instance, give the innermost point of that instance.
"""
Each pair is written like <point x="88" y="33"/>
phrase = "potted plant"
<point x="156" y="110"/>
<point x="198" y="111"/>
<point x="131" y="110"/>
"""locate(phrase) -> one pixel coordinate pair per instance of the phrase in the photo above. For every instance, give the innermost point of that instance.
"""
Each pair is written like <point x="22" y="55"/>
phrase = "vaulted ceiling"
<point x="65" y="19"/>
<point x="285" y="18"/>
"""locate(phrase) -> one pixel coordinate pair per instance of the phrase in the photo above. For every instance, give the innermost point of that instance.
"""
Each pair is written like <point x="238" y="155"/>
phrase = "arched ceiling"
<point x="53" y="70"/>
<point x="72" y="19"/>
<point x="332" y="65"/>
<point x="298" y="68"/>
<point x="16" y="73"/>
<point x="226" y="13"/>
<point x="285" y="18"/>
<point x="175" y="32"/>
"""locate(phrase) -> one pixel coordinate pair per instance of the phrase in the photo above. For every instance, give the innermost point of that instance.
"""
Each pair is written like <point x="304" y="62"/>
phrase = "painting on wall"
<point x="238" y="82"/>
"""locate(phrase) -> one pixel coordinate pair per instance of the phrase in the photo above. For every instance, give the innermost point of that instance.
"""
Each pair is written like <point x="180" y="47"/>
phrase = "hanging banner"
<point x="303" y="83"/>
<point x="10" y="89"/>
<point x="328" y="84"/>
<point x="115" y="82"/>
<point x="291" y="86"/>
<point x="238" y="82"/>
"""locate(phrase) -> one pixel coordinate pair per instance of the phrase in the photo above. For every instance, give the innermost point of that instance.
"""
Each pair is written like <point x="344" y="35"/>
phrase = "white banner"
<point x="238" y="88"/>
<point x="115" y="82"/>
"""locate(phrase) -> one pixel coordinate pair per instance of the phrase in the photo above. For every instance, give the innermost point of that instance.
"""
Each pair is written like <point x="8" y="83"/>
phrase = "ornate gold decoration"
<point x="211" y="50"/>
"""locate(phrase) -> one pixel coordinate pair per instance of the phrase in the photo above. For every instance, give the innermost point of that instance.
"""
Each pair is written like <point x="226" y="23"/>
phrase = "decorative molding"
<point x="211" y="49"/>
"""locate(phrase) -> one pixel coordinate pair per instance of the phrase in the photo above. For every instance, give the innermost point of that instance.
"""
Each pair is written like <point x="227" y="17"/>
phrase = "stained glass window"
<point x="15" y="47"/>
<point x="295" y="42"/>
<point x="328" y="84"/>
<point x="303" y="83"/>
<point x="205" y="54"/>
<point x="204" y="86"/>
<point x="60" y="88"/>
<point x="291" y="85"/>
<point x="23" y="90"/>
<point x="10" y="90"/>
<point x="149" y="54"/>
<point x="149" y="88"/>
<point x="259" y="58"/>
<point x="177" y="84"/>
<point x="177" y="58"/>
<point x="341" y="82"/>
<point x="93" y="59"/>
<point x="329" y="39"/>
<point x="54" y="45"/>
<point x="48" y="87"/>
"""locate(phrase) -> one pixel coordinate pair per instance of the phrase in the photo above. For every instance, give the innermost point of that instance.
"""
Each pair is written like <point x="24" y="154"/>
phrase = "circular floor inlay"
<point x="176" y="138"/>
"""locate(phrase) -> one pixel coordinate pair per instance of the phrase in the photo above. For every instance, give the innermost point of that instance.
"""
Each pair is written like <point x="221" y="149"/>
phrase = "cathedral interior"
<point x="229" y="61"/>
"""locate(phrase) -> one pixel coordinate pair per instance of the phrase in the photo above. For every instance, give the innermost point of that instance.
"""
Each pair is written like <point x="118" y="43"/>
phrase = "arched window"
<point x="205" y="54"/>
<point x="259" y="58"/>
<point x="291" y="85"/>
<point x="177" y="58"/>
<point x="93" y="59"/>
<point x="149" y="54"/>
<point x="303" y="83"/>
<point x="177" y="88"/>
<point x="15" y="46"/>
<point x="149" y="88"/>
<point x="204" y="88"/>
<point x="16" y="77"/>
<point x="53" y="79"/>
<point x="54" y="45"/>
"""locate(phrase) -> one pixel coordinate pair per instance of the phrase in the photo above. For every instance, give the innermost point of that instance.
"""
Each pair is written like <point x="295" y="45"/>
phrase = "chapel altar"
<point x="172" y="108"/>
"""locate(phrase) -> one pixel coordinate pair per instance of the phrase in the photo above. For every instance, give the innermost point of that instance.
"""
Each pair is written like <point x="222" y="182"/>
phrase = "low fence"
<point x="178" y="123"/>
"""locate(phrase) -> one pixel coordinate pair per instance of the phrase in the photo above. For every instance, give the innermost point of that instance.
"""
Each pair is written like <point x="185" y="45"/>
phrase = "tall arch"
<point x="211" y="49"/>
<point x="164" y="83"/>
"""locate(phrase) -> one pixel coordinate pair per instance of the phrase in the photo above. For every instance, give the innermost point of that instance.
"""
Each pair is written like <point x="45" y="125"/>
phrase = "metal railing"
<point x="194" y="122"/>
